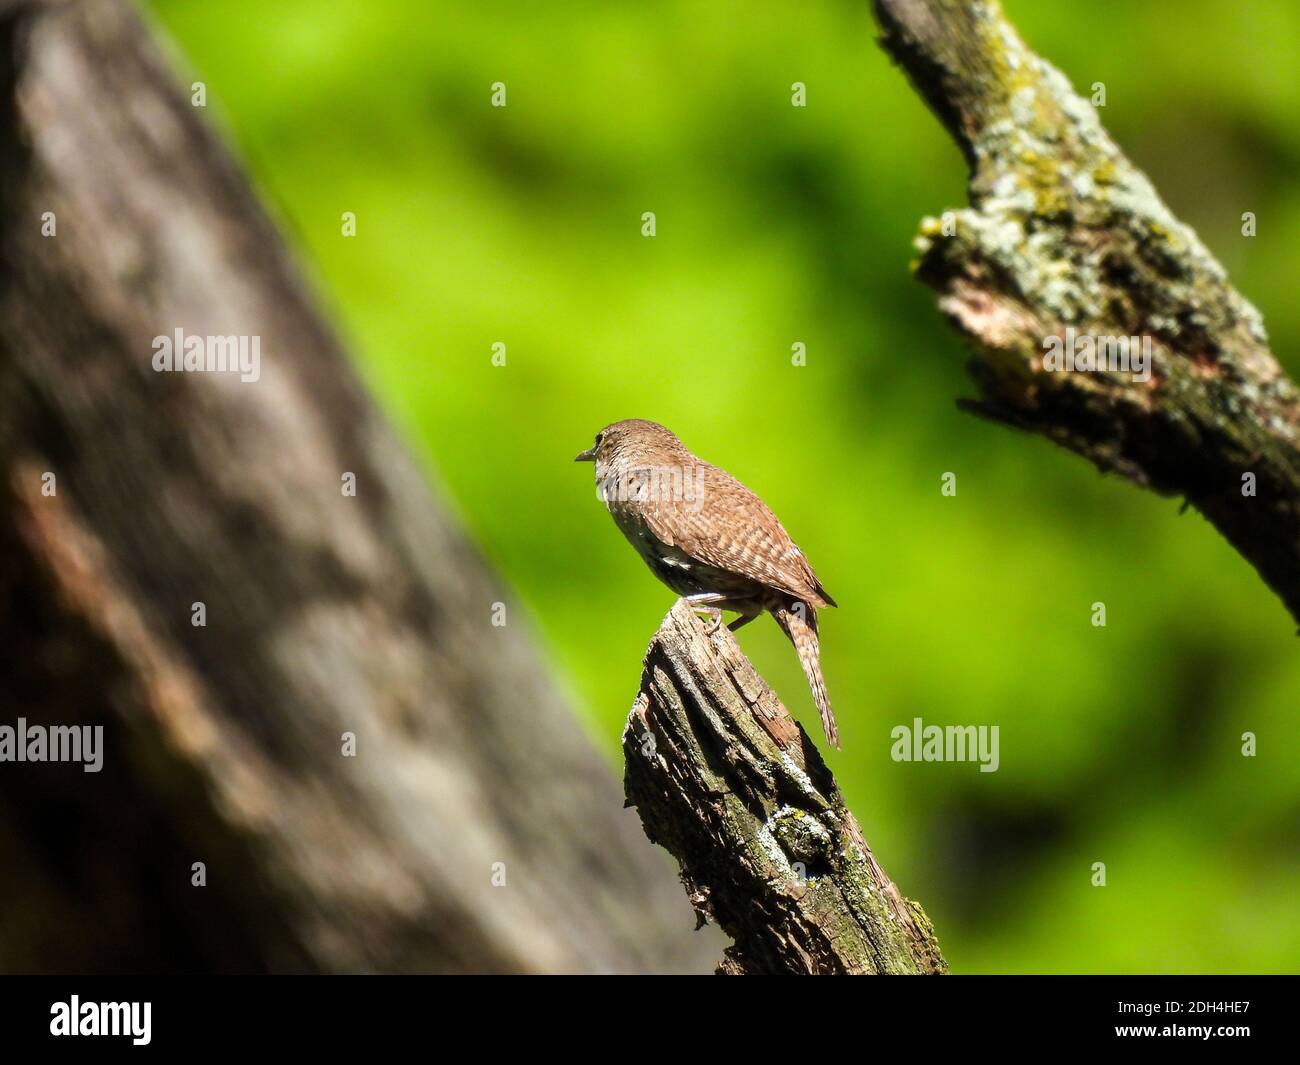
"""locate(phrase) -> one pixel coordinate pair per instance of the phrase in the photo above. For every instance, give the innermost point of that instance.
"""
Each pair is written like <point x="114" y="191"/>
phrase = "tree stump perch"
<point x="727" y="781"/>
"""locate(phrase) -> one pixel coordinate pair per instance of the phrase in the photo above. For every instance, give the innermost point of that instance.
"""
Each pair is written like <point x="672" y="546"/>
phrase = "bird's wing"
<point x="730" y="528"/>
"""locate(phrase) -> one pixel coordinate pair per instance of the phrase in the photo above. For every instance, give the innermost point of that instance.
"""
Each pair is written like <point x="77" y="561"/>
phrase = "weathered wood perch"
<point x="1063" y="232"/>
<point x="727" y="781"/>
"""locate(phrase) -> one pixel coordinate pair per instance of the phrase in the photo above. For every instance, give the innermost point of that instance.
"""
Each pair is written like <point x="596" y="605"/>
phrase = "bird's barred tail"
<point x="800" y="624"/>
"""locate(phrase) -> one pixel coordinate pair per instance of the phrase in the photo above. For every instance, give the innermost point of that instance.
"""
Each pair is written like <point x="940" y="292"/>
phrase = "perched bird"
<point x="710" y="539"/>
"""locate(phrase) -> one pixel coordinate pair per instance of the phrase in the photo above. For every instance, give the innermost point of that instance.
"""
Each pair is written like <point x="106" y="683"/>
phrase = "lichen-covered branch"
<point x="728" y="782"/>
<point x="1064" y="238"/>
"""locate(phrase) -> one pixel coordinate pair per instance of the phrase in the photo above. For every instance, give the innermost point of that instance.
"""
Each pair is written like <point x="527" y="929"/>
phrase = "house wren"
<point x="710" y="539"/>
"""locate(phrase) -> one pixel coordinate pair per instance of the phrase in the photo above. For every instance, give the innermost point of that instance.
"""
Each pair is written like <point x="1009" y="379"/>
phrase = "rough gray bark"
<point x="1063" y="231"/>
<point x="325" y="614"/>
<point x="731" y="785"/>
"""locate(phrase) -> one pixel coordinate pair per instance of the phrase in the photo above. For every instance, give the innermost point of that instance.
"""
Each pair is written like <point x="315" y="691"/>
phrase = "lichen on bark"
<point x="1063" y="233"/>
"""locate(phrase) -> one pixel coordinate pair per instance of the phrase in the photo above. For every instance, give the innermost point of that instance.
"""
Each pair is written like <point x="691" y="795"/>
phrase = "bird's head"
<point x="632" y="440"/>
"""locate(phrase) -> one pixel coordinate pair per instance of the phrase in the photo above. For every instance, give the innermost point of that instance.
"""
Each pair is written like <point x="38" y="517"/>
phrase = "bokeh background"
<point x="523" y="225"/>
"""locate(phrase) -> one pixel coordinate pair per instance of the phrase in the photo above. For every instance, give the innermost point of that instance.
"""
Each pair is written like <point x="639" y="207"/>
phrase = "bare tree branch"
<point x="1063" y="232"/>
<point x="727" y="781"/>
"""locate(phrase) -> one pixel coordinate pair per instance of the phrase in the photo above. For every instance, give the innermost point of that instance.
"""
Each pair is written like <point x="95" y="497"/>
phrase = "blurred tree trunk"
<point x="326" y="614"/>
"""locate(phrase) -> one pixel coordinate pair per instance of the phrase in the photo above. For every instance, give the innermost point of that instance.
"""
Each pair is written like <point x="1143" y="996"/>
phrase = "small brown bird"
<point x="710" y="539"/>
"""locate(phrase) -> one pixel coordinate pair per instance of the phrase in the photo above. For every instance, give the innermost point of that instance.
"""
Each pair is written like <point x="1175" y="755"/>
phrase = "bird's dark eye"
<point x="598" y="436"/>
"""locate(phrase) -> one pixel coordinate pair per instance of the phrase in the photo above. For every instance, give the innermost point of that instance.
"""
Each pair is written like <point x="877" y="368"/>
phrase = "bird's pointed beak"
<point x="586" y="456"/>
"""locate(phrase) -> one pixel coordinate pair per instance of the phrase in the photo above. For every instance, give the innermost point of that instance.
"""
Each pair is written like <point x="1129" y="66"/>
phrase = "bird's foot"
<point x="705" y="605"/>
<point x="712" y="616"/>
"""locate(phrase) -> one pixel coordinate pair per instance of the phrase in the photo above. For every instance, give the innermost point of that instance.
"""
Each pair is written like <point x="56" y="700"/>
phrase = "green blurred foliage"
<point x="775" y="225"/>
